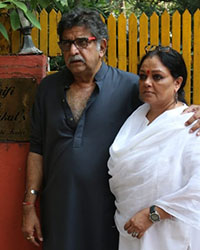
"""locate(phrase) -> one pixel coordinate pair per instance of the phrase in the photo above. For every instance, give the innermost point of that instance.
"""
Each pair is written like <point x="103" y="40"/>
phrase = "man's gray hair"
<point x="87" y="18"/>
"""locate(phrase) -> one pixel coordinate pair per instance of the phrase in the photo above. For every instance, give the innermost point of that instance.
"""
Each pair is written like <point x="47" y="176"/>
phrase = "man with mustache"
<point x="76" y="115"/>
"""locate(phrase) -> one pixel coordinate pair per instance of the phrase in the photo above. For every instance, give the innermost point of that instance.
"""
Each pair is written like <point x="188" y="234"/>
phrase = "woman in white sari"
<point x="155" y="163"/>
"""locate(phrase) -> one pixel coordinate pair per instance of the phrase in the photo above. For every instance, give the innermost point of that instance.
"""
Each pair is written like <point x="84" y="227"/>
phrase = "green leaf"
<point x="4" y="32"/>
<point x="64" y="3"/>
<point x="14" y="20"/>
<point x="59" y="6"/>
<point x="32" y="18"/>
<point x="3" y="5"/>
<point x="45" y="3"/>
<point x="20" y="5"/>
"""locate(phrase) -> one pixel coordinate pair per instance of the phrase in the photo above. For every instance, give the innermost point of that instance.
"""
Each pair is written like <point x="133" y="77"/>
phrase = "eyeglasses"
<point x="160" y="48"/>
<point x="80" y="43"/>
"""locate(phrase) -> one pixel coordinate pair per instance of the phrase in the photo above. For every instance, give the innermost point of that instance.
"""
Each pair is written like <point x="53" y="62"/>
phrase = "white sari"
<point x="158" y="165"/>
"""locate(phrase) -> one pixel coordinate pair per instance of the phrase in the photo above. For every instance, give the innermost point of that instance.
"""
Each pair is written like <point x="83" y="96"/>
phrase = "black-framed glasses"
<point x="160" y="48"/>
<point x="80" y="43"/>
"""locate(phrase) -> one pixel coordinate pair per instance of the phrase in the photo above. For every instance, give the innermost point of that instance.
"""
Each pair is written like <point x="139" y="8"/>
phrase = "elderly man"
<point x="76" y="115"/>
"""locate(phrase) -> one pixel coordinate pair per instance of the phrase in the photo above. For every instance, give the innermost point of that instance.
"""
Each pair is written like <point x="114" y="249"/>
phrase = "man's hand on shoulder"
<point x="195" y="118"/>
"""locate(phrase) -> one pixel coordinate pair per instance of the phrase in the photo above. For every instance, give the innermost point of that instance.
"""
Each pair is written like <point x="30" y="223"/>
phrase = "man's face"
<point x="82" y="60"/>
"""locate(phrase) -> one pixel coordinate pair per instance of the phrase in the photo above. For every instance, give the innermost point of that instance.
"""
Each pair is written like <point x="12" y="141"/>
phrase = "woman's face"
<point x="157" y="86"/>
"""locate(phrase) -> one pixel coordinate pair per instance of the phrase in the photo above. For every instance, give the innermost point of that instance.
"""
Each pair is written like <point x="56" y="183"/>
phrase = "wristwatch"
<point x="154" y="215"/>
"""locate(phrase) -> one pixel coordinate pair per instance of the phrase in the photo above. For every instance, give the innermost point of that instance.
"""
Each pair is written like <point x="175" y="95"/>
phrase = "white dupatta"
<point x="158" y="165"/>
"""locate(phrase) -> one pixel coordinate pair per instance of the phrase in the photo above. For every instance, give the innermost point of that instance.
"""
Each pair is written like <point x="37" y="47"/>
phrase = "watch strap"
<point x="152" y="209"/>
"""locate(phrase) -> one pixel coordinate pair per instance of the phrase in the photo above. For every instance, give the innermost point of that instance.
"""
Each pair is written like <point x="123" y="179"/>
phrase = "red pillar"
<point x="13" y="158"/>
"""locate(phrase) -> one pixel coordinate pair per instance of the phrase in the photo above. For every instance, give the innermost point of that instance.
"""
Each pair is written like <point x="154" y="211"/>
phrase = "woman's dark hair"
<point x="87" y="18"/>
<point x="172" y="60"/>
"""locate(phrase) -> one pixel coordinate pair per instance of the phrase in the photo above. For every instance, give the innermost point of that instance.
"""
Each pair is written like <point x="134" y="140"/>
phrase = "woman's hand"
<point x="193" y="118"/>
<point x="138" y="224"/>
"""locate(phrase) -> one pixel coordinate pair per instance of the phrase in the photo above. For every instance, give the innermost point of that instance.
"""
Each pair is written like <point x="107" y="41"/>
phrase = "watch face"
<point x="155" y="217"/>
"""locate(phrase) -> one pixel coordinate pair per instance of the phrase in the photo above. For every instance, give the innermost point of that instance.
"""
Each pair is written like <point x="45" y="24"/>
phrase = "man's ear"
<point x="103" y="47"/>
<point x="178" y="82"/>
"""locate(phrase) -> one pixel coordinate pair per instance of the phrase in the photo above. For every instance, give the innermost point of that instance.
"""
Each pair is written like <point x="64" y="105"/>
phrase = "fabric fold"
<point x="156" y="164"/>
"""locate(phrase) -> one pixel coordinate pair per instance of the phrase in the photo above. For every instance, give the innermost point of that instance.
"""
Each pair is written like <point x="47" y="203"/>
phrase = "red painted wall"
<point x="13" y="159"/>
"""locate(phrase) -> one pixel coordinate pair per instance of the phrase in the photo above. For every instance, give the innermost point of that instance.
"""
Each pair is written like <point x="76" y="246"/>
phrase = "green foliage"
<point x="3" y="31"/>
<point x="32" y="18"/>
<point x="19" y="5"/>
<point x="63" y="5"/>
<point x="27" y="7"/>
<point x="158" y="6"/>
<point x="14" y="19"/>
<point x="191" y="5"/>
<point x="148" y="7"/>
<point x="57" y="63"/>
<point x="13" y="7"/>
<point x="138" y="7"/>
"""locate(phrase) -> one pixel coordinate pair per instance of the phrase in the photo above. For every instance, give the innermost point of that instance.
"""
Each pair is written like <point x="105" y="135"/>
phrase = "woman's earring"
<point x="176" y="97"/>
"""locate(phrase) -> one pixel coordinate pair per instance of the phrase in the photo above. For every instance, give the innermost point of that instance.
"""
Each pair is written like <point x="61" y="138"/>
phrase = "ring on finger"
<point x="135" y="234"/>
<point x="29" y="237"/>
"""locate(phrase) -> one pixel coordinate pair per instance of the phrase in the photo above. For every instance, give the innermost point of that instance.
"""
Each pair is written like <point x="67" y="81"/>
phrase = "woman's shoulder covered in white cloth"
<point x="169" y="120"/>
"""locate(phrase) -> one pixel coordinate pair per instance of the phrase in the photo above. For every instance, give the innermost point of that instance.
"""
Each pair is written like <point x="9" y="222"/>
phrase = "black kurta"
<point x="77" y="207"/>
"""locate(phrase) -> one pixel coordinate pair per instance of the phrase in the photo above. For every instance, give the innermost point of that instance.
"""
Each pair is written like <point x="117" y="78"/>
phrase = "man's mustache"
<point x="76" y="58"/>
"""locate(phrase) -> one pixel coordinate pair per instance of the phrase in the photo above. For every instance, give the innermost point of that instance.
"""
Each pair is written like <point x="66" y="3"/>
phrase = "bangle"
<point x="27" y="203"/>
<point x="35" y="192"/>
<point x="32" y="191"/>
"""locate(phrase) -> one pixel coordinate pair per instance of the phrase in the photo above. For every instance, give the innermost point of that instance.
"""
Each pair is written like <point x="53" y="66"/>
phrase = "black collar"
<point x="69" y="79"/>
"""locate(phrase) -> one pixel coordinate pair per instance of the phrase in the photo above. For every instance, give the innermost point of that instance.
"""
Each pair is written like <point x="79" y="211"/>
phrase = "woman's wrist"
<point x="163" y="214"/>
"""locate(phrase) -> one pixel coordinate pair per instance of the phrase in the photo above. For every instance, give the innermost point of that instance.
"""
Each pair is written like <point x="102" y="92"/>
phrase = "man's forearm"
<point x="34" y="176"/>
<point x="30" y="224"/>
